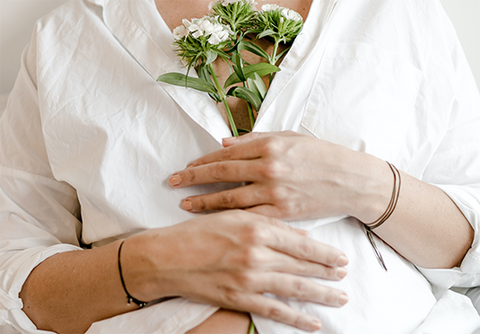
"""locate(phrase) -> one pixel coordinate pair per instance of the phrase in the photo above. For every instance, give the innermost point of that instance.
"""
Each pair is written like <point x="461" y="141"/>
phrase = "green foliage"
<point x="222" y="34"/>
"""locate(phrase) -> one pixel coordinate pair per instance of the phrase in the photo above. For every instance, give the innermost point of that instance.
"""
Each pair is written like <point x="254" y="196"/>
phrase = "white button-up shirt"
<point x="89" y="139"/>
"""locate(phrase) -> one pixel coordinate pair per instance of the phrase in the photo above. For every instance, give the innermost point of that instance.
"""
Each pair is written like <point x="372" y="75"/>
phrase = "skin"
<point x="258" y="254"/>
<point x="253" y="254"/>
<point x="293" y="176"/>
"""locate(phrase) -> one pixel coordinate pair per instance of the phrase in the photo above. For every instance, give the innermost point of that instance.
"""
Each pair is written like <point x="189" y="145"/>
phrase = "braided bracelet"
<point x="130" y="299"/>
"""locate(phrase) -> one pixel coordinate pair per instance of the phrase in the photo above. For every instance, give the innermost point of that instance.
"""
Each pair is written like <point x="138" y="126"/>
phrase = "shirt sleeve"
<point x="38" y="214"/>
<point x="455" y="166"/>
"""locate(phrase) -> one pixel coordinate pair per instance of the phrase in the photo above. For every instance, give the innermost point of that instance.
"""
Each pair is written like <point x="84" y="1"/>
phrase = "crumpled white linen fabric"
<point x="3" y="102"/>
<point x="89" y="133"/>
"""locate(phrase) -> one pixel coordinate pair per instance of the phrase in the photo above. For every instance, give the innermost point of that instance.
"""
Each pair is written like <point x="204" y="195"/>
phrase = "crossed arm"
<point x="290" y="176"/>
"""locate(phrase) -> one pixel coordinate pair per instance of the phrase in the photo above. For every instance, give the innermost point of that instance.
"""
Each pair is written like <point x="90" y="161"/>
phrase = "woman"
<point x="89" y="133"/>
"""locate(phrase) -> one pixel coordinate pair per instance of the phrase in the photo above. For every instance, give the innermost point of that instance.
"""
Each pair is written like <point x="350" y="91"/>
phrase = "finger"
<point x="227" y="171"/>
<point x="230" y="141"/>
<point x="301" y="232"/>
<point x="260" y="145"/>
<point x="238" y="198"/>
<point x="242" y="151"/>
<point x="273" y="233"/>
<point x="268" y="259"/>
<point x="303" y="289"/>
<point x="304" y="248"/>
<point x="272" y="309"/>
<point x="278" y="223"/>
<point x="268" y="210"/>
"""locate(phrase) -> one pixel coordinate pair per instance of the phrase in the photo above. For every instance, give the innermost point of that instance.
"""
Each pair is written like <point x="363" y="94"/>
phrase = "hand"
<point x="290" y="176"/>
<point x="230" y="259"/>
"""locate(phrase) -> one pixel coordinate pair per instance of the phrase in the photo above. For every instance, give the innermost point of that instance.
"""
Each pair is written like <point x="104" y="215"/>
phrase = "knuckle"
<point x="332" y="257"/>
<point x="245" y="280"/>
<point x="273" y="312"/>
<point x="278" y="194"/>
<point x="306" y="250"/>
<point x="200" y="205"/>
<point x="256" y="234"/>
<point x="272" y="170"/>
<point x="189" y="175"/>
<point x="330" y="297"/>
<point x="218" y="171"/>
<point x="302" y="268"/>
<point x="225" y="154"/>
<point x="271" y="146"/>
<point x="231" y="297"/>
<point x="330" y="273"/>
<point x="289" y="209"/>
<point x="251" y="257"/>
<point x="301" y="289"/>
<point x="226" y="200"/>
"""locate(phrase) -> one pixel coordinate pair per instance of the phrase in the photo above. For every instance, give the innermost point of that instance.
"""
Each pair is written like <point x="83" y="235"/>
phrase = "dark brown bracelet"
<point x="397" y="182"/>
<point x="130" y="299"/>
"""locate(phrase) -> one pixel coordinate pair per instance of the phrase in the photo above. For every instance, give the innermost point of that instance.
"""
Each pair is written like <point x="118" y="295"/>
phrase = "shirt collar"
<point x="138" y="26"/>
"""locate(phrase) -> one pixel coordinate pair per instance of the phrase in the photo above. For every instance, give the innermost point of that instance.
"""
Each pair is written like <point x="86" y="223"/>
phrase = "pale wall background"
<point x="17" y="18"/>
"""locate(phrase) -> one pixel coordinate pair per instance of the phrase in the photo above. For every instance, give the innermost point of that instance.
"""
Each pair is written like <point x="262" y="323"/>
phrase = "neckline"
<point x="166" y="34"/>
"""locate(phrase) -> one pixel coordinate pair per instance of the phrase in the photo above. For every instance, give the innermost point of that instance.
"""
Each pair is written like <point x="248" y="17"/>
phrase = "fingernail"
<point x="341" y="272"/>
<point x="343" y="299"/>
<point x="315" y="325"/>
<point x="342" y="261"/>
<point x="187" y="205"/>
<point x="175" y="180"/>
<point x="228" y="140"/>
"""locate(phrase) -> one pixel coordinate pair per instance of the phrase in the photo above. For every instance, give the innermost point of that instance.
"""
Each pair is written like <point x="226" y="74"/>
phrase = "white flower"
<point x="291" y="14"/>
<point x="268" y="8"/>
<point x="180" y="32"/>
<point x="206" y="26"/>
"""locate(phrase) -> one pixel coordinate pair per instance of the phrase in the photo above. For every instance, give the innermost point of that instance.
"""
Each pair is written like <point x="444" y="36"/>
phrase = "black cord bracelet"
<point x="130" y="299"/>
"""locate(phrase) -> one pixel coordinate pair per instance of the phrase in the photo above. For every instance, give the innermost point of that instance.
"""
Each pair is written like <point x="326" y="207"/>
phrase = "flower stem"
<point x="273" y="58"/>
<point x="251" y="114"/>
<point x="223" y="97"/>
<point x="251" y="329"/>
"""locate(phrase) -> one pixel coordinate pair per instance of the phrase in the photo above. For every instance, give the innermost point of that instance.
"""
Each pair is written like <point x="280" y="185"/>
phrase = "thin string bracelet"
<point x="388" y="212"/>
<point x="393" y="200"/>
<point x="130" y="299"/>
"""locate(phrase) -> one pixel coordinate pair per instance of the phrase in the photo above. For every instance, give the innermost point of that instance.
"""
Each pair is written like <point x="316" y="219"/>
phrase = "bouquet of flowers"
<point x="229" y="28"/>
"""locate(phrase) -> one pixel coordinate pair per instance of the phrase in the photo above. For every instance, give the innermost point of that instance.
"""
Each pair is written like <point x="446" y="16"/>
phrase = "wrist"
<point x="373" y="189"/>
<point x="139" y="260"/>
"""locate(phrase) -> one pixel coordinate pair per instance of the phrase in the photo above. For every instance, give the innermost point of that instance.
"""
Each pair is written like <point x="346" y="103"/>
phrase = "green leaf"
<point x="238" y="66"/>
<point x="266" y="33"/>
<point x="179" y="79"/>
<point x="257" y="85"/>
<point x="204" y="73"/>
<point x="261" y="69"/>
<point x="255" y="49"/>
<point x="211" y="56"/>
<point x="247" y="95"/>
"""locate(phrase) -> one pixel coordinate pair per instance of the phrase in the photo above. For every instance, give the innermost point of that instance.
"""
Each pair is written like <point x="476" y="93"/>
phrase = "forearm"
<point x="293" y="176"/>
<point x="228" y="259"/>
<point x="224" y="321"/>
<point x="426" y="227"/>
<point x="69" y="291"/>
